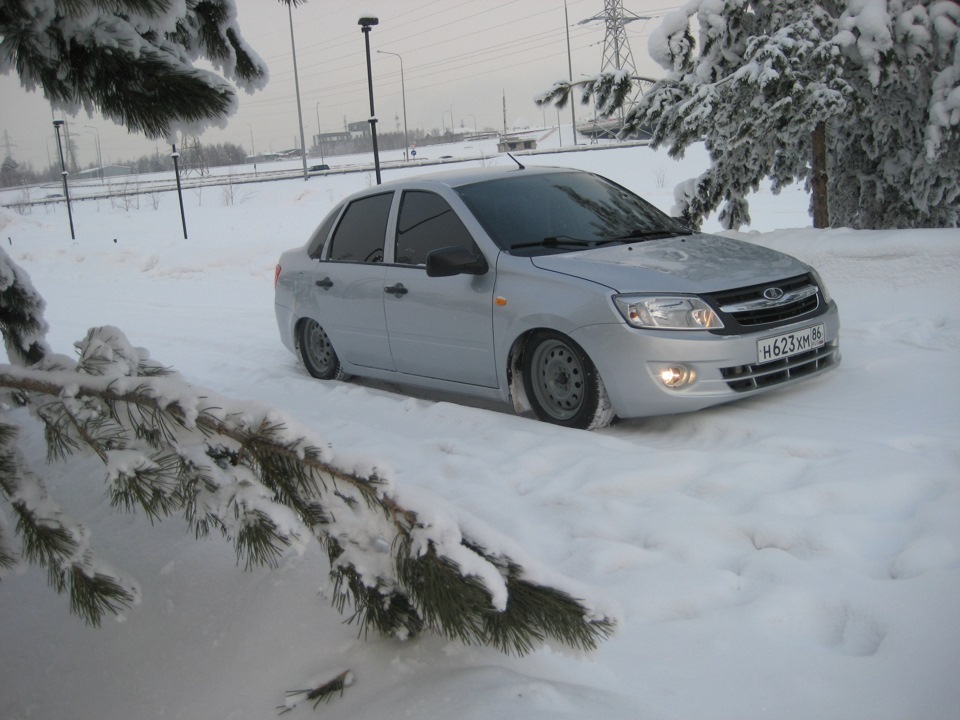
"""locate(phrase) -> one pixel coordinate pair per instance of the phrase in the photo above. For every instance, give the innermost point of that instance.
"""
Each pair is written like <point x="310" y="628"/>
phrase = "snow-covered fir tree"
<point x="860" y="100"/>
<point x="895" y="163"/>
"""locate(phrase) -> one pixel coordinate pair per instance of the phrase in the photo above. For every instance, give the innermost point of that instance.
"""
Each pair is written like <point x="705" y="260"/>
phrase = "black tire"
<point x="317" y="353"/>
<point x="562" y="384"/>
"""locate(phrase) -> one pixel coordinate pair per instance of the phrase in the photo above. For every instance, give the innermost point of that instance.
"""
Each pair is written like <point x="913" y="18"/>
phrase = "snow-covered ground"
<point x="794" y="556"/>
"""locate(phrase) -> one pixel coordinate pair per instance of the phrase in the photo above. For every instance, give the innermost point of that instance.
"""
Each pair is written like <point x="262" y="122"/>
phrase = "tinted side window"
<point x="320" y="235"/>
<point x="359" y="236"/>
<point x="426" y="223"/>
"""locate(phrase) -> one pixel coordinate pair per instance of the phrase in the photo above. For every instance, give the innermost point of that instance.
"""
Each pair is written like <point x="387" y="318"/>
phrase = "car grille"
<point x="747" y="308"/>
<point x="743" y="378"/>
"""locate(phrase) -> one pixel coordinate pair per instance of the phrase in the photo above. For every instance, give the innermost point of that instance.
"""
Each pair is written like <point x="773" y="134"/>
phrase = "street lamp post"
<point x="63" y="174"/>
<point x="403" y="95"/>
<point x="176" y="171"/>
<point x="365" y="24"/>
<point x="296" y="84"/>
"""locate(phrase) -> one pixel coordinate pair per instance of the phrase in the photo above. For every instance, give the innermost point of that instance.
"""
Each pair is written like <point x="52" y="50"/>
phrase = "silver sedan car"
<point x="554" y="289"/>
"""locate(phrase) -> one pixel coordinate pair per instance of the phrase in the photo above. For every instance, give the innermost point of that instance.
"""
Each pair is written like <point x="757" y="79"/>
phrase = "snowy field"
<point x="794" y="556"/>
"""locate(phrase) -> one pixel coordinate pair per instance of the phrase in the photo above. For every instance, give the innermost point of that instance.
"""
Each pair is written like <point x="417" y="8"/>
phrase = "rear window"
<point x="360" y="235"/>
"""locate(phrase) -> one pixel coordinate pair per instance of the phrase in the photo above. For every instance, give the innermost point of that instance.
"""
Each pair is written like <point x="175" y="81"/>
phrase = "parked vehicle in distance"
<point x="556" y="289"/>
<point x="318" y="168"/>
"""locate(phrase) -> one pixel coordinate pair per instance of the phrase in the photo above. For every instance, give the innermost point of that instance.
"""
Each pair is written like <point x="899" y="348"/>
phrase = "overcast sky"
<point x="461" y="59"/>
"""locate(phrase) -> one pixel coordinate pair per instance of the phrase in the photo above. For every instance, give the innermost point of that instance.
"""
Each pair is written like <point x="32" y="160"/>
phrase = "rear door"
<point x="438" y="327"/>
<point x="349" y="285"/>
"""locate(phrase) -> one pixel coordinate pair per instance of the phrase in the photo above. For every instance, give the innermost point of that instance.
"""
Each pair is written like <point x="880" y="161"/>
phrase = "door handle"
<point x="396" y="290"/>
<point x="326" y="283"/>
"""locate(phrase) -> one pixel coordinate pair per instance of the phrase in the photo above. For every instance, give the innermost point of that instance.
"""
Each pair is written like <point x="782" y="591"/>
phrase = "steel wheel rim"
<point x="558" y="379"/>
<point x="318" y="348"/>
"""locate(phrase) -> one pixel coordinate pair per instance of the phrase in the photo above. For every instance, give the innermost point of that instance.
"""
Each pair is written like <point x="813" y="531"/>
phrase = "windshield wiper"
<point x="555" y="241"/>
<point x="652" y="234"/>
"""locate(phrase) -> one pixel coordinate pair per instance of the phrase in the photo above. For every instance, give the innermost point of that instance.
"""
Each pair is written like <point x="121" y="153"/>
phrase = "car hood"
<point x="691" y="263"/>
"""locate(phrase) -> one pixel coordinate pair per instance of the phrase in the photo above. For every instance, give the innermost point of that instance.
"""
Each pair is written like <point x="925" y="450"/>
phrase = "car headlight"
<point x="823" y="288"/>
<point x="667" y="312"/>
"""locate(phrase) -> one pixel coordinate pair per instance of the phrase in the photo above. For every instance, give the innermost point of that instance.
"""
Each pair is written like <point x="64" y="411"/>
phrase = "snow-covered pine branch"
<point x="21" y="320"/>
<point x="403" y="562"/>
<point x="147" y="50"/>
<point x="53" y="541"/>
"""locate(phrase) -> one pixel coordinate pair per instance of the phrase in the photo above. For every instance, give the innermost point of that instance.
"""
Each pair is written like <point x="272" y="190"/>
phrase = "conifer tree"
<point x="860" y="100"/>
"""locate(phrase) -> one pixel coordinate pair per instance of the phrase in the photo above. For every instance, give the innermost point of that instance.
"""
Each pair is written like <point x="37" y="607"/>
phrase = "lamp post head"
<point x="57" y="123"/>
<point x="368" y="22"/>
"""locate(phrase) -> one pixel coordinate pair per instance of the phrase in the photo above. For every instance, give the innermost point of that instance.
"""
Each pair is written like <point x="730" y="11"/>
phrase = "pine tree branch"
<point x="21" y="314"/>
<point x="147" y="397"/>
<point x="168" y="447"/>
<point x="128" y="63"/>
<point x="323" y="692"/>
<point x="51" y="542"/>
<point x="428" y="589"/>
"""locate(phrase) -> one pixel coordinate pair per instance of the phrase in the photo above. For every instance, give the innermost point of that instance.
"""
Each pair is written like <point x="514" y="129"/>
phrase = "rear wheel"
<point x="318" y="355"/>
<point x="562" y="384"/>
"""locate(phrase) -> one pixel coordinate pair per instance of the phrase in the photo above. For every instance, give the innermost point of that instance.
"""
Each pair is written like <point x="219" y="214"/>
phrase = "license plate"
<point x="789" y="344"/>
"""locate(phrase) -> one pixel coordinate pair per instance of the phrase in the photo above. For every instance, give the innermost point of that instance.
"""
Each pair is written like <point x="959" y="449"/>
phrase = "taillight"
<point x="276" y="276"/>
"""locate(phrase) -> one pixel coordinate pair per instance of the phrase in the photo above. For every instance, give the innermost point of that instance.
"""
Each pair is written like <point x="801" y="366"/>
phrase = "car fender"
<point x="559" y="302"/>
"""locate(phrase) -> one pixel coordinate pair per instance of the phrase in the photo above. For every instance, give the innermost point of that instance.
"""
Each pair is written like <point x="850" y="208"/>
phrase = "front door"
<point x="438" y="327"/>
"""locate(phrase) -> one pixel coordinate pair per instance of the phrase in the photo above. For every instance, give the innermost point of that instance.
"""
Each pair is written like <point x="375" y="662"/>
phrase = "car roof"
<point x="455" y="178"/>
<point x="467" y="176"/>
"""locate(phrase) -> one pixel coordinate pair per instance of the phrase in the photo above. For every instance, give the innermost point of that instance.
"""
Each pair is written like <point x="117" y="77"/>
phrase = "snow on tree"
<point x="264" y="483"/>
<point x="21" y="318"/>
<point x="897" y="166"/>
<point x="132" y="60"/>
<point x="860" y="100"/>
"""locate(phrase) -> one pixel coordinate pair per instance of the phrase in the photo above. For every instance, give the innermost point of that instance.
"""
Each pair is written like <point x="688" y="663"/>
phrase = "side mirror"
<point x="456" y="260"/>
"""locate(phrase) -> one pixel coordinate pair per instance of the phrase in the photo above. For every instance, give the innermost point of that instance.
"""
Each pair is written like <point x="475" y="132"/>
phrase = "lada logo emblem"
<point x="773" y="293"/>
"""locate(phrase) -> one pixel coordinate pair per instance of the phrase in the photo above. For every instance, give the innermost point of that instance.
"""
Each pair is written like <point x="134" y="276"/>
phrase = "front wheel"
<point x="562" y="384"/>
<point x="318" y="355"/>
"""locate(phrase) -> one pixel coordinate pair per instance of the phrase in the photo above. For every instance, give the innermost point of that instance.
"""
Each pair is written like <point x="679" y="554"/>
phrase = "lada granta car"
<point x="554" y="289"/>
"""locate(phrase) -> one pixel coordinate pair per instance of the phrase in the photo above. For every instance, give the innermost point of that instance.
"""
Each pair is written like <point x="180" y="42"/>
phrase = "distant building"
<point x="517" y="141"/>
<point x="332" y="138"/>
<point x="359" y="130"/>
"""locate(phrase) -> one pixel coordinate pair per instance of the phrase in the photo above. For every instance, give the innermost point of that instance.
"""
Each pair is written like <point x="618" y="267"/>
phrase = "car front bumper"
<point x="721" y="368"/>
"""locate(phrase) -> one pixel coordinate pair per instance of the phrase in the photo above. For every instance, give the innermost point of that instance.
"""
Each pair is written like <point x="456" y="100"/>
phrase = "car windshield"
<point x="537" y="214"/>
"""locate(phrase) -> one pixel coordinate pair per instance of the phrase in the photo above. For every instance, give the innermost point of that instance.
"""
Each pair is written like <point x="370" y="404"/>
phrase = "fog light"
<point x="675" y="376"/>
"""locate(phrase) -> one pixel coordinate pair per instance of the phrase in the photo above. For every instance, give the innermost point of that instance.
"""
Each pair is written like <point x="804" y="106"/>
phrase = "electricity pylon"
<point x="617" y="55"/>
